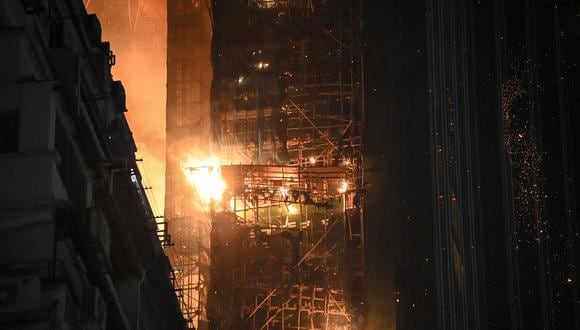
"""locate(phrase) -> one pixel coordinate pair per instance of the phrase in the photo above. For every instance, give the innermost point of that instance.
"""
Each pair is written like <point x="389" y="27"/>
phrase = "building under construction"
<point x="287" y="108"/>
<point x="286" y="112"/>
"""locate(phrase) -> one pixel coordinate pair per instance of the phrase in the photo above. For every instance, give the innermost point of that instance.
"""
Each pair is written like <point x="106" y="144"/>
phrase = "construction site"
<point x="264" y="184"/>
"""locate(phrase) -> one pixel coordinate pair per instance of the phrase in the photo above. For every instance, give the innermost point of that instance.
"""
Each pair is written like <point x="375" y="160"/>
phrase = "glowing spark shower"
<point x="525" y="162"/>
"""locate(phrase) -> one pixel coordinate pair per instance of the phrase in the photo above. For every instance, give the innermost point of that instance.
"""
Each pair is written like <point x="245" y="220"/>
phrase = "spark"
<point x="524" y="160"/>
<point x="262" y="65"/>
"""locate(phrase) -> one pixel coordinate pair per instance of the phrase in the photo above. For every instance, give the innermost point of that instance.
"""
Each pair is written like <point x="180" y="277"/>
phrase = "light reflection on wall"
<point x="136" y="30"/>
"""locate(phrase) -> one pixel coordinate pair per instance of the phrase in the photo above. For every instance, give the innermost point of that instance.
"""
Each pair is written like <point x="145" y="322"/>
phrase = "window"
<point x="9" y="131"/>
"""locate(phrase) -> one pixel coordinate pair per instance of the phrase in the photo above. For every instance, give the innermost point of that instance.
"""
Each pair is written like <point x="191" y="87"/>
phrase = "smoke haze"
<point x="136" y="30"/>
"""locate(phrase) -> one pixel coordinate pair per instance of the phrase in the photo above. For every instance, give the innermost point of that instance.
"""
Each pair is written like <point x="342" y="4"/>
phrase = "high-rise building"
<point x="78" y="241"/>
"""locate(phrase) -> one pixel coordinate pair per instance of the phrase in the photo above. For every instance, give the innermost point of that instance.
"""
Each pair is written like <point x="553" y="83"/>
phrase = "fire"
<point x="206" y="178"/>
<point x="343" y="187"/>
<point x="292" y="209"/>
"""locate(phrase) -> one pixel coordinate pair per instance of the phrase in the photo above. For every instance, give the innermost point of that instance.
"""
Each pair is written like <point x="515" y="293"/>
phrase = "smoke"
<point x="136" y="30"/>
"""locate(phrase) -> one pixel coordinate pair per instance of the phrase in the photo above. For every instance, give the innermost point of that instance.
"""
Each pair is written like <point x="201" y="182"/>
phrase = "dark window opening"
<point x="9" y="131"/>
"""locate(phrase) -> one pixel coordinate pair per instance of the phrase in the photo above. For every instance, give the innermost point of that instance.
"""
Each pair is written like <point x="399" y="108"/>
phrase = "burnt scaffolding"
<point x="287" y="240"/>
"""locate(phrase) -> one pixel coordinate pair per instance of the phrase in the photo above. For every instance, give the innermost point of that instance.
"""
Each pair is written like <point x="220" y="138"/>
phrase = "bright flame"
<point x="283" y="192"/>
<point x="343" y="187"/>
<point x="292" y="209"/>
<point x="207" y="180"/>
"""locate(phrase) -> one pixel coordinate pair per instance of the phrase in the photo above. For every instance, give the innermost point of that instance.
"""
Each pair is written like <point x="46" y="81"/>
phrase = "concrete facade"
<point x="78" y="243"/>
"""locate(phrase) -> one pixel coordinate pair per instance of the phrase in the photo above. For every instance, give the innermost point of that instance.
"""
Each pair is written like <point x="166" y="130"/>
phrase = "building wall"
<point x="398" y="222"/>
<point x="77" y="234"/>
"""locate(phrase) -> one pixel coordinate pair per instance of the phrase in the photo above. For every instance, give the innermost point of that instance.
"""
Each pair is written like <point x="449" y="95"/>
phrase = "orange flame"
<point x="206" y="178"/>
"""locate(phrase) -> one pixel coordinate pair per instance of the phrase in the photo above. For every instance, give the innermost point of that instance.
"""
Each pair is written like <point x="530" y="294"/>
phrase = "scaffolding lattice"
<point x="284" y="241"/>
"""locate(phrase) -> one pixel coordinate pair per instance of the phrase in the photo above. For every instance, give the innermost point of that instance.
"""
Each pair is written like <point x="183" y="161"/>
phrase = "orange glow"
<point x="136" y="30"/>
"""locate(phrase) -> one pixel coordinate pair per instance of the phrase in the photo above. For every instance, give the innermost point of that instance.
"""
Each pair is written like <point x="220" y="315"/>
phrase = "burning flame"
<point x="343" y="187"/>
<point x="292" y="209"/>
<point x="206" y="178"/>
